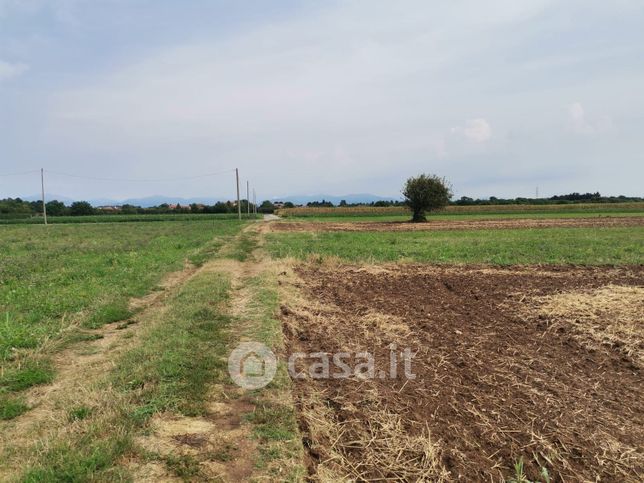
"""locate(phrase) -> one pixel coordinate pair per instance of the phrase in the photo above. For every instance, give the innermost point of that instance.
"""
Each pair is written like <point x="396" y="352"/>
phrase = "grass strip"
<point x="583" y="246"/>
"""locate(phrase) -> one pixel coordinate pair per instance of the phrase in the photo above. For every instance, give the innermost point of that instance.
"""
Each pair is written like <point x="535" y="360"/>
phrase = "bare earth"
<point x="543" y="364"/>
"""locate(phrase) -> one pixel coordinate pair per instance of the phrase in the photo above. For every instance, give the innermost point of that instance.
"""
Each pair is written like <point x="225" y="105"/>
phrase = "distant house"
<point x="109" y="209"/>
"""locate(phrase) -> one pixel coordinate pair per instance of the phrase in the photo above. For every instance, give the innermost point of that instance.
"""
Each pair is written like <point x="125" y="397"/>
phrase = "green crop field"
<point x="600" y="246"/>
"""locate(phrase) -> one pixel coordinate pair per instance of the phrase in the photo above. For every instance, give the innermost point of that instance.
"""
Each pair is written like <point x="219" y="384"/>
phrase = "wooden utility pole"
<point x="254" y="202"/>
<point x="248" y="197"/>
<point x="238" y="202"/>
<point x="42" y="189"/>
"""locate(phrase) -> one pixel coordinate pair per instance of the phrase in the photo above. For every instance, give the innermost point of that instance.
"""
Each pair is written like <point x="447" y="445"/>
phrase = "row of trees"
<point x="16" y="207"/>
<point x="493" y="200"/>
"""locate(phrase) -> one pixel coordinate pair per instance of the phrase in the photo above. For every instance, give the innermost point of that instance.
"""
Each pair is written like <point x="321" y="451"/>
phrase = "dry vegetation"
<point x="609" y="316"/>
<point x="498" y="381"/>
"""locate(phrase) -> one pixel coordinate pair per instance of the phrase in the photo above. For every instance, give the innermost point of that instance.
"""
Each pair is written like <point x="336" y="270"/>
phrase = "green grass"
<point x="59" y="276"/>
<point x="11" y="407"/>
<point x="171" y="368"/>
<point x="586" y="246"/>
<point x="465" y="216"/>
<point x="52" y="220"/>
<point x="274" y="421"/>
<point x="477" y="216"/>
<point x="79" y="413"/>
<point x="89" y="459"/>
<point x="51" y="276"/>
<point x="522" y="209"/>
<point x="30" y="373"/>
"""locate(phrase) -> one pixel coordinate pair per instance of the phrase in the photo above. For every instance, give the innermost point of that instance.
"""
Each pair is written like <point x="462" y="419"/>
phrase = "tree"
<point x="80" y="208"/>
<point x="426" y="193"/>
<point x="56" y="208"/>
<point x="129" y="209"/>
<point x="266" y="207"/>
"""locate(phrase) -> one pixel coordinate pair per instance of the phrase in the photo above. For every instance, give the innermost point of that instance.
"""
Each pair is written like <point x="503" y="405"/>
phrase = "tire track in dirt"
<point x="221" y="442"/>
<point x="78" y="368"/>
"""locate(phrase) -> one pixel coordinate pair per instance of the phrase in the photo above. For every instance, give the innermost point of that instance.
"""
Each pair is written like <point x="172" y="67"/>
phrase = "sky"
<point x="146" y="97"/>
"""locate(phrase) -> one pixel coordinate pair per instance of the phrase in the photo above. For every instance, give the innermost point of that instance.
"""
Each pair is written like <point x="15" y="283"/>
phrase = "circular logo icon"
<point x="252" y="365"/>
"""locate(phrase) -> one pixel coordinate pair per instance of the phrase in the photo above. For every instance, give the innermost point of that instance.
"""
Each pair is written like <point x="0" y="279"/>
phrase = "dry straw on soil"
<point x="612" y="316"/>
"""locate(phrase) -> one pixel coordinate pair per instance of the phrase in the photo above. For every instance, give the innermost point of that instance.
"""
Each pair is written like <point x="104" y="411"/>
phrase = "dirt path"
<point x="78" y="368"/>
<point x="220" y="442"/>
<point x="223" y="443"/>
<point x="440" y="225"/>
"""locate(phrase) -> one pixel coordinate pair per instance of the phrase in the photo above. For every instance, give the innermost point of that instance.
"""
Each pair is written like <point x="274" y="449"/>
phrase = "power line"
<point x="20" y="173"/>
<point x="146" y="180"/>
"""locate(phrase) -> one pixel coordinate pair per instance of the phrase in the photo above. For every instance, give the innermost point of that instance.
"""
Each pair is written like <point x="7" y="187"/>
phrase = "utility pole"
<point x="238" y="202"/>
<point x="248" y="197"/>
<point x="254" y="202"/>
<point x="537" y="193"/>
<point x="42" y="188"/>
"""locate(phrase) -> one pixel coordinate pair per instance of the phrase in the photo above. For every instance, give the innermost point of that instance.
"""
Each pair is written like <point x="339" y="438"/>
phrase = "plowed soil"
<point x="497" y="378"/>
<point x="596" y="222"/>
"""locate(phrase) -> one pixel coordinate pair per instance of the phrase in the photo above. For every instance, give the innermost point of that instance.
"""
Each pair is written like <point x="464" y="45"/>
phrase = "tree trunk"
<point x="419" y="216"/>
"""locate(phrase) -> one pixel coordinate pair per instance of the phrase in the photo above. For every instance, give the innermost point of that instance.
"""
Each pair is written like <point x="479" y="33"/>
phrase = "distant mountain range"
<point x="157" y="200"/>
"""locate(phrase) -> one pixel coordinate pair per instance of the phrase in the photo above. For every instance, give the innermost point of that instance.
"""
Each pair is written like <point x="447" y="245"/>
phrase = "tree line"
<point x="16" y="207"/>
<point x="493" y="200"/>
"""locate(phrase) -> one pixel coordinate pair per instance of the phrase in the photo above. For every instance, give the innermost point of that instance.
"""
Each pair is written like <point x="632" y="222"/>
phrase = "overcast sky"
<point x="322" y="97"/>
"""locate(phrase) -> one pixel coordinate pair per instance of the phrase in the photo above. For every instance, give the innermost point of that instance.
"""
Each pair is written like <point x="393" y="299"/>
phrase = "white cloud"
<point x="8" y="70"/>
<point x="478" y="130"/>
<point x="580" y="123"/>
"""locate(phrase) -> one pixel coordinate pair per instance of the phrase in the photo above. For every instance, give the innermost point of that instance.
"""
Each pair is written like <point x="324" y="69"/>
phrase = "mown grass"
<point x="50" y="275"/>
<point x="586" y="246"/>
<point x="171" y="368"/>
<point x="274" y="420"/>
<point x="179" y="357"/>
<point x="64" y="277"/>
<point x="53" y="220"/>
<point x="441" y="216"/>
<point x="11" y="407"/>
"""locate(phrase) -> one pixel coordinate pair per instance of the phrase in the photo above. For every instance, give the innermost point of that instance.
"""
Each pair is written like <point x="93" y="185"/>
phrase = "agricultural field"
<point x="400" y="213"/>
<point x="525" y="332"/>
<point x="109" y="218"/>
<point x="112" y="339"/>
